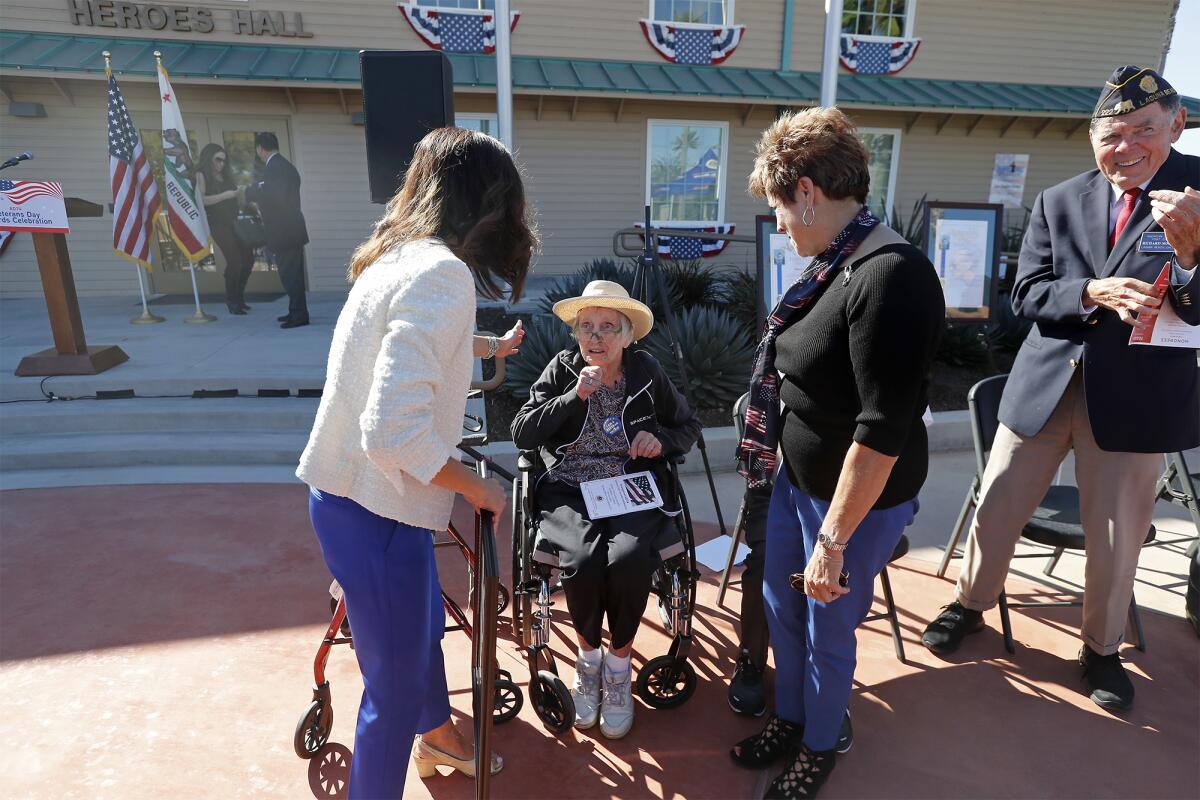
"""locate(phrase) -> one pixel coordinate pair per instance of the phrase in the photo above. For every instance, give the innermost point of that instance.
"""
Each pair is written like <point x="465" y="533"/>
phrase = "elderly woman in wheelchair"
<point x="599" y="412"/>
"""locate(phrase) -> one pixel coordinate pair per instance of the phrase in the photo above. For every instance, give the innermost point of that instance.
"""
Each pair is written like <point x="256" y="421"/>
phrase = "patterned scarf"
<point x="757" y="451"/>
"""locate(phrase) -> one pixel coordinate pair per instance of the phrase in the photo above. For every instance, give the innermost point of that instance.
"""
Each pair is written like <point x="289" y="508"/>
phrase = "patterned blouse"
<point x="602" y="447"/>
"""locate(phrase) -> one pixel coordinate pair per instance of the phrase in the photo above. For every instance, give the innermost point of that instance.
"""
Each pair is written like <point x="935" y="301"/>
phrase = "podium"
<point x="71" y="354"/>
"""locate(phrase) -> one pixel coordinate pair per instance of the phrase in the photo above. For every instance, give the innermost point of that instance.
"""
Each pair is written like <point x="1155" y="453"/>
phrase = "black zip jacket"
<point x="554" y="415"/>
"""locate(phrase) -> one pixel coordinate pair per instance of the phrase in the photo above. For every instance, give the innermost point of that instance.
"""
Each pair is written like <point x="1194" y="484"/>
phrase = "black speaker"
<point x="405" y="96"/>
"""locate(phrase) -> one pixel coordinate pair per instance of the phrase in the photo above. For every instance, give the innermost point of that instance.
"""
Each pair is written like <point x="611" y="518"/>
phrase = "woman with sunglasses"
<point x="214" y="184"/>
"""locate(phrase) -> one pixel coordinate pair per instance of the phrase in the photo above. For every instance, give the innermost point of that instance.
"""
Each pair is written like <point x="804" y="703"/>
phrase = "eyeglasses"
<point x="603" y="332"/>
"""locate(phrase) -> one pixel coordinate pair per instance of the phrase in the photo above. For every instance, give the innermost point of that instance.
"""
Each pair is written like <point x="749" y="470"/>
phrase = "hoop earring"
<point x="809" y="216"/>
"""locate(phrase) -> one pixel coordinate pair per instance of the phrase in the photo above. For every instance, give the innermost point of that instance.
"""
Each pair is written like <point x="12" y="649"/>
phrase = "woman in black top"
<point x="214" y="183"/>
<point x="847" y="350"/>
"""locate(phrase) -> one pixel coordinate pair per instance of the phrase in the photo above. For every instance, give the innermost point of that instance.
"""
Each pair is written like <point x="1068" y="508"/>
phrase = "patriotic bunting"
<point x="687" y="43"/>
<point x="462" y="30"/>
<point x="685" y="248"/>
<point x="877" y="55"/>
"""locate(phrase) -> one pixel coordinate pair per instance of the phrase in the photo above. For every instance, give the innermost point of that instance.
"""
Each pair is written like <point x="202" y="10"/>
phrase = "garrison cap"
<point x="1131" y="88"/>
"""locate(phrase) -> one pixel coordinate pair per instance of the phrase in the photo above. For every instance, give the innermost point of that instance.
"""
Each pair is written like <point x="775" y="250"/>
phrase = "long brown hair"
<point x="462" y="187"/>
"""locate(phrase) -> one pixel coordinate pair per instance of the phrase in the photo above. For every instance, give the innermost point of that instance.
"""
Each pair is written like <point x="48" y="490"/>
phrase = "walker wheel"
<point x="312" y="731"/>
<point x="666" y="682"/>
<point x="501" y="598"/>
<point x="552" y="702"/>
<point x="509" y="700"/>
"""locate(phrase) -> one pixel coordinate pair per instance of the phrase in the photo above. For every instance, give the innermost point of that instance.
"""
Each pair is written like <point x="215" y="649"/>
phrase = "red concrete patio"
<point x="157" y="642"/>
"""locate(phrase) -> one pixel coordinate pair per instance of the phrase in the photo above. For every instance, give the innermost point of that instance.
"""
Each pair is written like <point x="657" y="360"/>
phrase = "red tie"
<point x="1130" y="197"/>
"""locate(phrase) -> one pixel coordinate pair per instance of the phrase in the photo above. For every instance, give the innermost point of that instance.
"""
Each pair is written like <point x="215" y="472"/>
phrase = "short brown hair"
<point x="464" y="188"/>
<point x="821" y="144"/>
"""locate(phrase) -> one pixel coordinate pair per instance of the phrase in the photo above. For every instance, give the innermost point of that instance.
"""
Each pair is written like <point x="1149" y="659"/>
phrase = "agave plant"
<point x="601" y="269"/>
<point x="739" y="297"/>
<point x="1007" y="331"/>
<point x="961" y="346"/>
<point x="716" y="354"/>
<point x="692" y="283"/>
<point x="545" y="337"/>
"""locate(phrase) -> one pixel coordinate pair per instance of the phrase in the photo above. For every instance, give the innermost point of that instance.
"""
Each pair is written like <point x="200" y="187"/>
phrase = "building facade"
<point x="611" y="110"/>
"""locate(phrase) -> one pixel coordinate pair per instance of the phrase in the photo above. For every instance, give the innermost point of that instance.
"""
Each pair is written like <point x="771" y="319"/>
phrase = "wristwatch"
<point x="830" y="544"/>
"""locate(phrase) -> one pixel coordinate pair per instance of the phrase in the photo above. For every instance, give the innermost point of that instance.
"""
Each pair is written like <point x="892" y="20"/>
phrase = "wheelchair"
<point x="665" y="681"/>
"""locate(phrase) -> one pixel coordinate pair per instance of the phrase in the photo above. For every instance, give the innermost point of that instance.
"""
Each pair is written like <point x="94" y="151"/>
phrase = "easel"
<point x="71" y="354"/>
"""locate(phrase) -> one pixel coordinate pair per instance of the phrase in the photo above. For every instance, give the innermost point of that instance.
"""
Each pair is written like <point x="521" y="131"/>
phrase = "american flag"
<point x="135" y="195"/>
<point x="685" y="248"/>
<point x="638" y="490"/>
<point x="21" y="192"/>
<point x="685" y="43"/>
<point x="458" y="31"/>
<point x="877" y="55"/>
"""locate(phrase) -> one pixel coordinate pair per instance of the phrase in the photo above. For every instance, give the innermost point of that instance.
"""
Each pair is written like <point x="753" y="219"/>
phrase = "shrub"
<point x="739" y="298"/>
<point x="691" y="284"/>
<point x="961" y="346"/>
<point x="545" y="337"/>
<point x="716" y="353"/>
<point x="1007" y="330"/>
<point x="600" y="269"/>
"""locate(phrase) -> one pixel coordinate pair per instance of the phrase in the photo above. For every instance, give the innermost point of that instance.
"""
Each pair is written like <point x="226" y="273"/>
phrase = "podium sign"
<point x="33" y="206"/>
<point x="39" y="208"/>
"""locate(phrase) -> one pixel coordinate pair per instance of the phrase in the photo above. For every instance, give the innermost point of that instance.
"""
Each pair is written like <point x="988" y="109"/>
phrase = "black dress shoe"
<point x="1106" y="678"/>
<point x="294" y="323"/>
<point x="234" y="309"/>
<point x="945" y="634"/>
<point x="284" y="318"/>
<point x="746" y="693"/>
<point x="243" y="306"/>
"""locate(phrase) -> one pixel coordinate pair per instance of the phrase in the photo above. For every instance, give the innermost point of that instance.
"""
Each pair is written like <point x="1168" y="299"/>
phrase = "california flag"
<point x="189" y="225"/>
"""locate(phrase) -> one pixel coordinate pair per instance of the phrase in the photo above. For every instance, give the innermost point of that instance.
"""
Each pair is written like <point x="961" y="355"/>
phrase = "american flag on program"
<point x="22" y="192"/>
<point x="135" y="195"/>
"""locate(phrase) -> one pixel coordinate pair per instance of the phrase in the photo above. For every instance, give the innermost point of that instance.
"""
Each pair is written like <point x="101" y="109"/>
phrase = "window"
<point x="878" y="17"/>
<point x="484" y="123"/>
<point x="685" y="175"/>
<point x="704" y="12"/>
<point x="471" y="4"/>
<point x="883" y="147"/>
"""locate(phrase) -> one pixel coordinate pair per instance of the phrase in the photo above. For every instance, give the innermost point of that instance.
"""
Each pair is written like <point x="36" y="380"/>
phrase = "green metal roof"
<point x="333" y="66"/>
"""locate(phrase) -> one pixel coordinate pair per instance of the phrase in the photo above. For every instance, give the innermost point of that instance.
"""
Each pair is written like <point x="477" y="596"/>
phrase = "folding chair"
<point x="1055" y="523"/>
<point x="1179" y="486"/>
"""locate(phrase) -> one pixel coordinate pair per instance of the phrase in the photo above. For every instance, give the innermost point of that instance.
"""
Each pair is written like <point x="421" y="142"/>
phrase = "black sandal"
<point x="778" y="738"/>
<point x="805" y="777"/>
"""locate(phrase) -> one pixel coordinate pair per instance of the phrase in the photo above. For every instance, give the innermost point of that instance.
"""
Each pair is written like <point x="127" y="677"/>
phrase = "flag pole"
<point x="199" y="316"/>
<point x="504" y="107"/>
<point x="833" y="42"/>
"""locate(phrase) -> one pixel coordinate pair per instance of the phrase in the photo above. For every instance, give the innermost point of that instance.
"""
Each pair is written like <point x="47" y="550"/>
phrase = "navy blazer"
<point x="278" y="199"/>
<point x="1140" y="399"/>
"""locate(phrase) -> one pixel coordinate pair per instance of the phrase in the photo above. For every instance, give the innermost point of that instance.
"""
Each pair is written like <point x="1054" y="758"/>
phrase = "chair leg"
<point x="960" y="523"/>
<point x="891" y="614"/>
<point x="1006" y="624"/>
<point x="1136" y="619"/>
<point x="1053" y="562"/>
<point x="738" y="531"/>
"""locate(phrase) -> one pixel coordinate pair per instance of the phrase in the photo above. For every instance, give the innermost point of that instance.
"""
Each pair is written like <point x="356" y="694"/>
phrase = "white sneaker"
<point x="585" y="693"/>
<point x="616" y="707"/>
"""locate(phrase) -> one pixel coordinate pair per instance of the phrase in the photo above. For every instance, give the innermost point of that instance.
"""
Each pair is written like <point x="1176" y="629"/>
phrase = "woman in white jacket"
<point x="380" y="462"/>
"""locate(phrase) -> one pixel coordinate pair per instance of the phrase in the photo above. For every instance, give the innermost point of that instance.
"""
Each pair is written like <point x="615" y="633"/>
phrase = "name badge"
<point x="1154" y="242"/>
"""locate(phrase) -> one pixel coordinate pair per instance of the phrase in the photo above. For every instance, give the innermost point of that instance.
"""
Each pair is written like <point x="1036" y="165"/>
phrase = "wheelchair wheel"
<point x="665" y="682"/>
<point x="552" y="702"/>
<point x="508" y="702"/>
<point x="312" y="731"/>
<point x="501" y="599"/>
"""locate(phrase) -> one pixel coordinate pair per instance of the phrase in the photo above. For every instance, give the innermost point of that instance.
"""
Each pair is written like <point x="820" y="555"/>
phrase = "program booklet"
<point x="609" y="497"/>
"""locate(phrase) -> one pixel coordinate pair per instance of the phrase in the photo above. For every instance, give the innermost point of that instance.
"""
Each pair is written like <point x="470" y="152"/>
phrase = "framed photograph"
<point x="963" y="242"/>
<point x="778" y="266"/>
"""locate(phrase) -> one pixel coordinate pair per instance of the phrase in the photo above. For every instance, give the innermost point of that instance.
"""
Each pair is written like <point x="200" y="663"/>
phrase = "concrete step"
<point x="148" y="415"/>
<point x="215" y="447"/>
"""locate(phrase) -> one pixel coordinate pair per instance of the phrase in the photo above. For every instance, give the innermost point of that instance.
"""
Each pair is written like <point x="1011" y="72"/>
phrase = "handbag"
<point x="250" y="229"/>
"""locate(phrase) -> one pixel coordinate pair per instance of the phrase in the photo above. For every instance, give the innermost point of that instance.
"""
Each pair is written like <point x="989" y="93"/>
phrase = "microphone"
<point x="12" y="162"/>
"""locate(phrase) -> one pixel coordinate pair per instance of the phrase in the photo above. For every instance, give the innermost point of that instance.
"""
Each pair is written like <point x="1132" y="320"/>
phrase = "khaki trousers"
<point x="1116" y="498"/>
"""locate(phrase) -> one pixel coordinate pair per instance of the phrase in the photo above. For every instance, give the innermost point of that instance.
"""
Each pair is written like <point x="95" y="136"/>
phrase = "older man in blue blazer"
<point x="1094" y="248"/>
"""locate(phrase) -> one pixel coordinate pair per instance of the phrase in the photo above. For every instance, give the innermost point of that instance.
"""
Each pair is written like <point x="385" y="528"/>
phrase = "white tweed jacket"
<point x="396" y="386"/>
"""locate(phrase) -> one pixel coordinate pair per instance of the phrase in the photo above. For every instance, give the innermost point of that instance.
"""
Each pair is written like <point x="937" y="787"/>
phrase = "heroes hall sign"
<point x="184" y="18"/>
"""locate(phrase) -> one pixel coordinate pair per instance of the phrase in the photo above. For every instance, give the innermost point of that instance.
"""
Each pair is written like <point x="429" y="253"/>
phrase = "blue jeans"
<point x="394" y="603"/>
<point x="815" y="645"/>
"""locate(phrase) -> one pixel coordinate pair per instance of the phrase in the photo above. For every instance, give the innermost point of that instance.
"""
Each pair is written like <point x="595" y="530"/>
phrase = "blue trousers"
<point x="394" y="602"/>
<point x="815" y="645"/>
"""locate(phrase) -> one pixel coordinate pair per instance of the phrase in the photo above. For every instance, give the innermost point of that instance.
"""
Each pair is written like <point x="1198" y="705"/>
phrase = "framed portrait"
<point x="963" y="242"/>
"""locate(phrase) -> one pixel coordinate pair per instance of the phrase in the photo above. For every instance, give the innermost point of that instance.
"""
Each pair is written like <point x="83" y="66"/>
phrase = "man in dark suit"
<point x="278" y="199"/>
<point x="1094" y="248"/>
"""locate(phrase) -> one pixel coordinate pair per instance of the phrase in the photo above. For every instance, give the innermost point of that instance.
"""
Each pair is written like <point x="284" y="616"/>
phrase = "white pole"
<point x="145" y="317"/>
<point x="199" y="316"/>
<point x="504" y="110"/>
<point x="833" y="43"/>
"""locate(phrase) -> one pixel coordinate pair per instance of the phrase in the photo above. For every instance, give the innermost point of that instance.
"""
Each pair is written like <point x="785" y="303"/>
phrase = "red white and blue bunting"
<point x="461" y="30"/>
<point x="688" y="43"/>
<point x="685" y="248"/>
<point x="877" y="55"/>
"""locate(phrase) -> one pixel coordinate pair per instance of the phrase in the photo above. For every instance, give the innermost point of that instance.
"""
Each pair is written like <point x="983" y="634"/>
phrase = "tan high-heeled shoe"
<point x="426" y="757"/>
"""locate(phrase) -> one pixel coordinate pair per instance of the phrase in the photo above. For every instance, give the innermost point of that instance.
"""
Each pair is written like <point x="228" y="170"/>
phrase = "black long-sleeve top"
<point x="856" y="369"/>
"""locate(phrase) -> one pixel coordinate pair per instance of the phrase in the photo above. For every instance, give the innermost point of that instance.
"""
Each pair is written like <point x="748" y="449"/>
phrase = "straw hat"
<point x="607" y="294"/>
